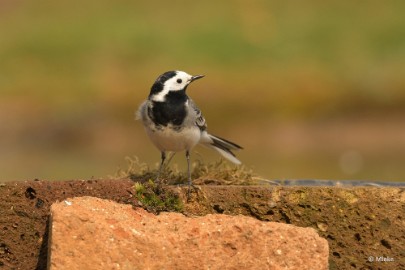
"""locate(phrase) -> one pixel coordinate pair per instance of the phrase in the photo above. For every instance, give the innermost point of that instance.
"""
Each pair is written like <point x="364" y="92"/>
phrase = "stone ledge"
<point x="358" y="222"/>
<point x="91" y="233"/>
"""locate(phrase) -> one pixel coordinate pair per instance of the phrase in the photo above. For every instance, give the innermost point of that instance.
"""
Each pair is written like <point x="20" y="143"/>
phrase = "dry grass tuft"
<point x="215" y="173"/>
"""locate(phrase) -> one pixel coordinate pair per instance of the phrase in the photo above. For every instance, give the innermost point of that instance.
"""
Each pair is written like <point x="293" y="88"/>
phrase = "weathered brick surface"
<point x="91" y="233"/>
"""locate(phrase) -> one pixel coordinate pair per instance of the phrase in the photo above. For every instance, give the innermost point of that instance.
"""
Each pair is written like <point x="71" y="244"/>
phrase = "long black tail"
<point x="222" y="146"/>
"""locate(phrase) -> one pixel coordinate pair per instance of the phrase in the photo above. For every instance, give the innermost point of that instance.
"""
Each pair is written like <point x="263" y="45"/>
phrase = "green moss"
<point x="155" y="199"/>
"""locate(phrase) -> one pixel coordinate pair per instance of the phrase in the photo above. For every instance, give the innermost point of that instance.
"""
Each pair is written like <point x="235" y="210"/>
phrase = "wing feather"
<point x="199" y="118"/>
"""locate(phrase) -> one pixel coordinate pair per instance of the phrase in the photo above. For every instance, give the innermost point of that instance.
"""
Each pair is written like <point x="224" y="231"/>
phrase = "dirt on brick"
<point x="359" y="223"/>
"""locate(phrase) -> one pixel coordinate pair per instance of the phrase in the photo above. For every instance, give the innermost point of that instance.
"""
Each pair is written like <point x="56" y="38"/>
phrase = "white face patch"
<point x="176" y="83"/>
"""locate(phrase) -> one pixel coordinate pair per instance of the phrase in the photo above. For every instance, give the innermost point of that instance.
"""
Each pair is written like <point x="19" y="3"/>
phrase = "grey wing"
<point x="199" y="118"/>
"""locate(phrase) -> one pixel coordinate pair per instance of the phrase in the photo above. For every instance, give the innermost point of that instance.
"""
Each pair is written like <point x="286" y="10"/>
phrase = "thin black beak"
<point x="196" y="77"/>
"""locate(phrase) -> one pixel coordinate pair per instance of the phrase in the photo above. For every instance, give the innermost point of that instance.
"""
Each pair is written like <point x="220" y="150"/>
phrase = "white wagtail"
<point x="174" y="123"/>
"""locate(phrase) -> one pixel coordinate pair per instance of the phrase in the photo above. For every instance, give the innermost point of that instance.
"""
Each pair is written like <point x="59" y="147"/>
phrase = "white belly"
<point x="168" y="139"/>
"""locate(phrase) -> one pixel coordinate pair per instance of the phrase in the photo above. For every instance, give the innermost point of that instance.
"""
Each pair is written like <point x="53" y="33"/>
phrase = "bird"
<point x="174" y="123"/>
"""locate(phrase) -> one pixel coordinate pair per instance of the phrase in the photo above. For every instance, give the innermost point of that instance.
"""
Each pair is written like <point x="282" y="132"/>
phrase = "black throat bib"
<point x="172" y="110"/>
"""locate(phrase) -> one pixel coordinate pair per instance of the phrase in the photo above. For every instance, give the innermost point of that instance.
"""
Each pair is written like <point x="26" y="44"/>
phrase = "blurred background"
<point x="310" y="89"/>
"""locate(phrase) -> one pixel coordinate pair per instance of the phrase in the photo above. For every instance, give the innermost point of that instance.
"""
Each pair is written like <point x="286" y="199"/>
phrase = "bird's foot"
<point x="190" y="188"/>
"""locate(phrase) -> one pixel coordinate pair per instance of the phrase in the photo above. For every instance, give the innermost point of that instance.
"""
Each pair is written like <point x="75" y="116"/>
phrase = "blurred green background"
<point x="311" y="89"/>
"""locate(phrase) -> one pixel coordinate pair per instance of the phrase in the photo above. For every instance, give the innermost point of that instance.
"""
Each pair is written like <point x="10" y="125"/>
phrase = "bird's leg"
<point x="170" y="158"/>
<point x="163" y="158"/>
<point x="188" y="173"/>
<point x="190" y="183"/>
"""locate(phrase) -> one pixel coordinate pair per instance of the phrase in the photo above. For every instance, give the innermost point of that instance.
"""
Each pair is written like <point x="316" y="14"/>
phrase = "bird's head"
<point x="171" y="81"/>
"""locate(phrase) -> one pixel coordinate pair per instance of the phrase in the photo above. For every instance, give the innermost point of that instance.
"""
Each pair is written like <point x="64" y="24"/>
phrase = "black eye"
<point x="179" y="81"/>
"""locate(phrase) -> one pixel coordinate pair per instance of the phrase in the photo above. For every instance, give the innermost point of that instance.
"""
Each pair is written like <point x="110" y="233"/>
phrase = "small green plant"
<point x="155" y="199"/>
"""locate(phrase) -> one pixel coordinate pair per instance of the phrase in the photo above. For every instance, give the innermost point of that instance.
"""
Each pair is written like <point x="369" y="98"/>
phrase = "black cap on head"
<point x="160" y="81"/>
